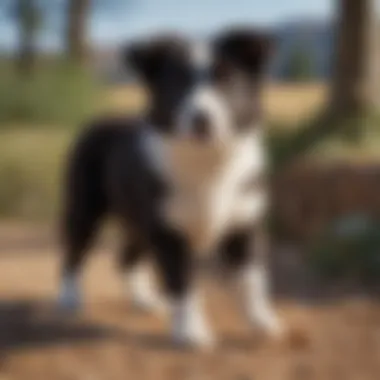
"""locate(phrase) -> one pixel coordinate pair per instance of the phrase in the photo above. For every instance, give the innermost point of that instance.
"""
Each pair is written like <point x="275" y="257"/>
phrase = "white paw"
<point x="257" y="302"/>
<point x="69" y="298"/>
<point x="193" y="335"/>
<point x="267" y="321"/>
<point x="148" y="303"/>
<point x="141" y="292"/>
<point x="189" y="328"/>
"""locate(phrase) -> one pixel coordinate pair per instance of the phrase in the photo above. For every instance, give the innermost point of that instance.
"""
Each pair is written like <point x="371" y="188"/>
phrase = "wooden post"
<point x="355" y="82"/>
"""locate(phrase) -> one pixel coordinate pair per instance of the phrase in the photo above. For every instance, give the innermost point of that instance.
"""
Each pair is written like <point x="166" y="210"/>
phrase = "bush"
<point x="300" y="65"/>
<point x="349" y="249"/>
<point x="57" y="93"/>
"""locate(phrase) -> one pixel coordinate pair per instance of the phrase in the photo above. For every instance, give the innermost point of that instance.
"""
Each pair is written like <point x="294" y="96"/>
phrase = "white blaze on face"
<point x="205" y="99"/>
<point x="201" y="55"/>
<point x="208" y="101"/>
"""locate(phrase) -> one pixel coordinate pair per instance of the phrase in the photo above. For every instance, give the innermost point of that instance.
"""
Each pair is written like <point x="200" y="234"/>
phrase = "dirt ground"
<point x="333" y="336"/>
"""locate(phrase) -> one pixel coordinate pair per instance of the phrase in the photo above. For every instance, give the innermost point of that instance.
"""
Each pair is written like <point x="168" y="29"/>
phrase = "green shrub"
<point x="350" y="249"/>
<point x="56" y="94"/>
<point x="300" y="65"/>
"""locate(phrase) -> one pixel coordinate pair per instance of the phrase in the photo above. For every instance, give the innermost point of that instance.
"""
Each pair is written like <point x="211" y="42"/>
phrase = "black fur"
<point x="248" y="49"/>
<point x="242" y="246"/>
<point x="165" y="66"/>
<point x="109" y="174"/>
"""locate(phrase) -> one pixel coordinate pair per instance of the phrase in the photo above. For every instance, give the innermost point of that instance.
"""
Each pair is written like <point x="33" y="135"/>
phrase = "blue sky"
<point x="139" y="17"/>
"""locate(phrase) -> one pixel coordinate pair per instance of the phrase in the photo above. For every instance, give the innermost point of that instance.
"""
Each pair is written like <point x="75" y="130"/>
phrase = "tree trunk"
<point x="27" y="24"/>
<point x="356" y="70"/>
<point x="76" y="29"/>
<point x="26" y="55"/>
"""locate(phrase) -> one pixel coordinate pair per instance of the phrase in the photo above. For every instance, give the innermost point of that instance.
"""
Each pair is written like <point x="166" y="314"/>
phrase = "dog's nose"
<point x="201" y="126"/>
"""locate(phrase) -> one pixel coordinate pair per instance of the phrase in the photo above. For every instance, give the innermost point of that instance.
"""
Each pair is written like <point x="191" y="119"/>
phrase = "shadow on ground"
<point x="25" y="324"/>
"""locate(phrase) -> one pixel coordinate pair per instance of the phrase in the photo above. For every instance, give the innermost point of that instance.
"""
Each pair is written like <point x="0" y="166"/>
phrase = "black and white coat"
<point x="184" y="182"/>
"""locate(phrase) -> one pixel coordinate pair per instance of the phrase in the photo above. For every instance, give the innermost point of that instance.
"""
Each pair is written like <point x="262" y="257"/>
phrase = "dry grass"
<point x="130" y="99"/>
<point x="287" y="106"/>
<point x="284" y="103"/>
<point x="290" y="104"/>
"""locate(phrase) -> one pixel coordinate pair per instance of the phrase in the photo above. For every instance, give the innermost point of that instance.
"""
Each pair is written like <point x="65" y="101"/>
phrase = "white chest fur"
<point x="207" y="182"/>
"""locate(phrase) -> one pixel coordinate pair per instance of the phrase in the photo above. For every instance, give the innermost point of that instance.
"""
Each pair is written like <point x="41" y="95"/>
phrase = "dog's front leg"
<point x="175" y="260"/>
<point x="245" y="253"/>
<point x="255" y="285"/>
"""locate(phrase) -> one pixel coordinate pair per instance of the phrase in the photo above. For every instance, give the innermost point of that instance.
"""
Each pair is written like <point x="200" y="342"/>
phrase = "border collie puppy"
<point x="185" y="181"/>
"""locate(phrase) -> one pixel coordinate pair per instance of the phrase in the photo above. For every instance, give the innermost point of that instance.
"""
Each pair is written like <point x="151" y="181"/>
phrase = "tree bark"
<point x="76" y="29"/>
<point x="356" y="69"/>
<point x="26" y="14"/>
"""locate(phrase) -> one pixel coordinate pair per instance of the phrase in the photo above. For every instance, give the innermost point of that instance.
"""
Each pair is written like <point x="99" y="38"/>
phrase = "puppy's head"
<point x="203" y="92"/>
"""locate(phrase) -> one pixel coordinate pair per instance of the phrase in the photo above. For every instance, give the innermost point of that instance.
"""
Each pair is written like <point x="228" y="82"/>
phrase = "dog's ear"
<point x="150" y="58"/>
<point x="249" y="49"/>
<point x="143" y="59"/>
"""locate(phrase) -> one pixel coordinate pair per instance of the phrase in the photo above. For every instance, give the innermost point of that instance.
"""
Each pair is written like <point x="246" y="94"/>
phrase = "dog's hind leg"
<point x="84" y="209"/>
<point x="79" y="230"/>
<point x="139" y="285"/>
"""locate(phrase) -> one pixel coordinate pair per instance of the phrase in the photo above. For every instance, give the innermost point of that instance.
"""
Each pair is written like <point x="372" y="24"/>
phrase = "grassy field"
<point x="31" y="163"/>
